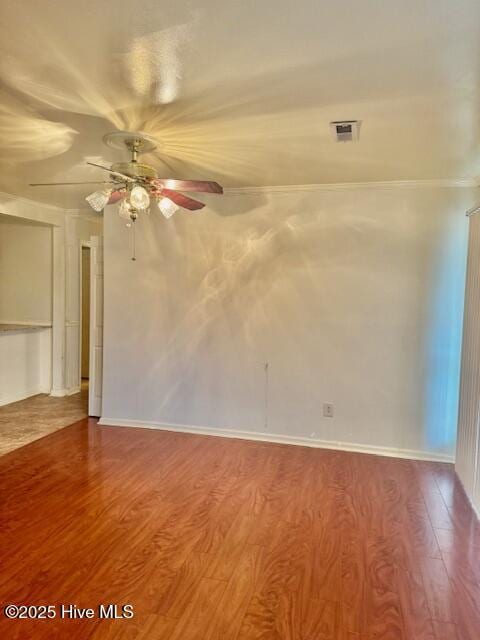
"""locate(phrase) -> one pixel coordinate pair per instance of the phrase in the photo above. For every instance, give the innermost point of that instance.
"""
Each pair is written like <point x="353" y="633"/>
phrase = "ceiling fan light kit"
<point x="138" y="183"/>
<point x="99" y="199"/>
<point x="139" y="198"/>
<point x="134" y="184"/>
<point x="124" y="209"/>
<point x="167" y="207"/>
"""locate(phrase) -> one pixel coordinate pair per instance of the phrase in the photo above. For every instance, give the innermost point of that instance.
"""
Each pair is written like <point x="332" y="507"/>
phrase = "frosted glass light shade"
<point x="124" y="209"/>
<point x="98" y="199"/>
<point x="167" y="207"/>
<point x="139" y="198"/>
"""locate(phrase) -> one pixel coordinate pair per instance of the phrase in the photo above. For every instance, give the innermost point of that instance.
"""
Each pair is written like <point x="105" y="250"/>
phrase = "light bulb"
<point x="167" y="207"/>
<point x="124" y="209"/>
<point x="98" y="199"/>
<point x="139" y="198"/>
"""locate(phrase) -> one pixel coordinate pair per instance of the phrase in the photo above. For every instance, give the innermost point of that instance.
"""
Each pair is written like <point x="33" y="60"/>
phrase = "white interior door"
<point x="96" y="327"/>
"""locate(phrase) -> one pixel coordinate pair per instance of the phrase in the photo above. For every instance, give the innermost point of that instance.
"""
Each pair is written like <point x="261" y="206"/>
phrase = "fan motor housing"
<point x="135" y="169"/>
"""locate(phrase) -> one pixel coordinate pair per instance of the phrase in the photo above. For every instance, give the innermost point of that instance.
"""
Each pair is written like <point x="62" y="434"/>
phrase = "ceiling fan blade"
<point x="199" y="186"/>
<point x="182" y="200"/>
<point x="64" y="184"/>
<point x="116" y="196"/>
<point x="123" y="176"/>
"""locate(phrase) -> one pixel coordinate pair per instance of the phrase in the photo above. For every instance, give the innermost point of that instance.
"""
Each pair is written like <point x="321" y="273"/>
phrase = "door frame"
<point x="83" y="243"/>
<point x="95" y="401"/>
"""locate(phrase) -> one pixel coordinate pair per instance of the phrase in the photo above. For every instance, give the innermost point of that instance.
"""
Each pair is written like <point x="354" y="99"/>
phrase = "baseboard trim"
<point x="58" y="393"/>
<point x="73" y="390"/>
<point x="21" y="396"/>
<point x="282" y="439"/>
<point x="475" y="509"/>
<point x="61" y="393"/>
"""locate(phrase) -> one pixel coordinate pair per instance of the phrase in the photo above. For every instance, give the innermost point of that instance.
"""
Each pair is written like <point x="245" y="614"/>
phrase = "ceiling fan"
<point x="134" y="184"/>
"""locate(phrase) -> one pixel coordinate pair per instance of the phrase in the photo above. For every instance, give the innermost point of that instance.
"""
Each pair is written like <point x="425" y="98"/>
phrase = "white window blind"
<point x="468" y="440"/>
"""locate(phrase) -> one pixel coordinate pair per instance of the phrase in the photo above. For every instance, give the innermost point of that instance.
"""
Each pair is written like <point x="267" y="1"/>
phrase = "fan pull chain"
<point x="133" y="242"/>
<point x="133" y="218"/>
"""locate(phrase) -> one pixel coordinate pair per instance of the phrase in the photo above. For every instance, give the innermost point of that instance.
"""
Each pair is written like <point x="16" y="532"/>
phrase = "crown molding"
<point x="84" y="214"/>
<point x="47" y="207"/>
<point x="444" y="183"/>
<point x="34" y="203"/>
<point x="447" y="183"/>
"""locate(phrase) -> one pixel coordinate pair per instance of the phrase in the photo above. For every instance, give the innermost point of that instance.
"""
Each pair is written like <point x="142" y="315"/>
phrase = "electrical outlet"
<point x="328" y="410"/>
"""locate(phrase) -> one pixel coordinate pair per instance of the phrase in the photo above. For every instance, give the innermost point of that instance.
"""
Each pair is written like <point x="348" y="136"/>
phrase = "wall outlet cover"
<point x="328" y="410"/>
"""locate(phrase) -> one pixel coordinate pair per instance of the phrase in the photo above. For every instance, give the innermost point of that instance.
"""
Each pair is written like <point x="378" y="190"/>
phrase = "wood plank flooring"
<point x="219" y="539"/>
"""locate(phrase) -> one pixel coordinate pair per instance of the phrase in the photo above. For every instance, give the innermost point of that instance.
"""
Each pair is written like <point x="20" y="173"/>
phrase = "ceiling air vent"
<point x="345" y="130"/>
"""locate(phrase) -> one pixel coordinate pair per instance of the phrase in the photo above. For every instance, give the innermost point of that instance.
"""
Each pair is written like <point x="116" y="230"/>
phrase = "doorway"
<point x="85" y="318"/>
<point x="94" y="328"/>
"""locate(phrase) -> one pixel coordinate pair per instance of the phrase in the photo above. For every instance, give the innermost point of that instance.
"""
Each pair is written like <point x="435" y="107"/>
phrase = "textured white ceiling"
<point x="241" y="92"/>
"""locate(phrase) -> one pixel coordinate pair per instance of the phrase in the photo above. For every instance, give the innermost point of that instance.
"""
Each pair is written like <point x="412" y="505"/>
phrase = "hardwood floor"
<point x="218" y="539"/>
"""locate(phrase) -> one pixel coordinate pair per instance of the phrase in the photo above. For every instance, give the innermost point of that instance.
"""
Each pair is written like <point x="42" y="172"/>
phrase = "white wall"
<point x="25" y="364"/>
<point x="26" y="254"/>
<point x="351" y="296"/>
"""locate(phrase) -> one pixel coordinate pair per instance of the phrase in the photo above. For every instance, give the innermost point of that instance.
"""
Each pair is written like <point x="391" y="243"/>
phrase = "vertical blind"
<point x="467" y="459"/>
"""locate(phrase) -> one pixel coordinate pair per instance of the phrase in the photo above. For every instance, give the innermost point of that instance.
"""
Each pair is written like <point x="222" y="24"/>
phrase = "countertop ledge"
<point x="4" y="328"/>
